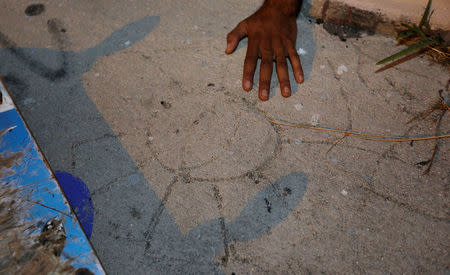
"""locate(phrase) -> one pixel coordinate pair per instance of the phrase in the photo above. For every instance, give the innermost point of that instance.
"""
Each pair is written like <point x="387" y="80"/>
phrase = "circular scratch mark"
<point x="207" y="140"/>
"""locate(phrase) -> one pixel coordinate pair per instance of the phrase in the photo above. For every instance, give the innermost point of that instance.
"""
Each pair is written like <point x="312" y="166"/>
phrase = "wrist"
<point x="288" y="7"/>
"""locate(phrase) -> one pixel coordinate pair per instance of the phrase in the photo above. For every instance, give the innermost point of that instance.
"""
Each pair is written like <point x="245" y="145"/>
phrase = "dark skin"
<point x="272" y="33"/>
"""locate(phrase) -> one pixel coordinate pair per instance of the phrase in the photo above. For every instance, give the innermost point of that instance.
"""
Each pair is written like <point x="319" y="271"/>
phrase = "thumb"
<point x="235" y="36"/>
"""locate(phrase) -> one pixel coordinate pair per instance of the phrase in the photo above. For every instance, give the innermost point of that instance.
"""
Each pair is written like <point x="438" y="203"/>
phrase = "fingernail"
<point x="264" y="95"/>
<point x="247" y="85"/>
<point x="287" y="91"/>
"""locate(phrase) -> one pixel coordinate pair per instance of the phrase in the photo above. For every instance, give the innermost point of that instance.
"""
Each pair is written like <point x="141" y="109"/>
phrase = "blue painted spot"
<point x="79" y="198"/>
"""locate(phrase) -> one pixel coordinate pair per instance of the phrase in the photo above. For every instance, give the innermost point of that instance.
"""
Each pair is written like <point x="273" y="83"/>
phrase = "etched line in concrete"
<point x="157" y="215"/>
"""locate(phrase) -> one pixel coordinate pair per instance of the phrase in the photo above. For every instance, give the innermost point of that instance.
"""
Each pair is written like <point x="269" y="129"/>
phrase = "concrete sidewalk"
<point x="187" y="172"/>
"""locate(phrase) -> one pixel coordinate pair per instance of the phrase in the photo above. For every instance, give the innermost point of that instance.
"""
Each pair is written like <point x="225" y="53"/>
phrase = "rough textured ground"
<point x="187" y="173"/>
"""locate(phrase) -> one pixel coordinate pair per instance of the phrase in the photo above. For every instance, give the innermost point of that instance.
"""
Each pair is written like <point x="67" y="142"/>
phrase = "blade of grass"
<point x="425" y="14"/>
<point x="409" y="27"/>
<point x="420" y="32"/>
<point x="400" y="61"/>
<point x="406" y="34"/>
<point x="427" y="23"/>
<point x="407" y="51"/>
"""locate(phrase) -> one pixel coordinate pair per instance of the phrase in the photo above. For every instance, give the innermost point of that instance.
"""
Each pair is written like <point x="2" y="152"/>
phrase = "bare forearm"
<point x="288" y="7"/>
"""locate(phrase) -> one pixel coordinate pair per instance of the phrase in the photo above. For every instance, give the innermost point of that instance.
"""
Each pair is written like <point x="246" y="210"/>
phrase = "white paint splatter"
<point x="298" y="142"/>
<point x="342" y="69"/>
<point x="315" y="119"/>
<point x="298" y="107"/>
<point x="301" y="51"/>
<point x="7" y="130"/>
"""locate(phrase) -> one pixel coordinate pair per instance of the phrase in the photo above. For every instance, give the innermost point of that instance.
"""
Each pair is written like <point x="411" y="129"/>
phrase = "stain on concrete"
<point x="348" y="22"/>
<point x="166" y="104"/>
<point x="135" y="213"/>
<point x="344" y="32"/>
<point x="34" y="9"/>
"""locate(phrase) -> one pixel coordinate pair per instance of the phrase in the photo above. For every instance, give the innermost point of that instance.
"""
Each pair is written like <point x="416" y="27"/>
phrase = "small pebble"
<point x="344" y="192"/>
<point x="298" y="106"/>
<point x="298" y="142"/>
<point x="342" y="69"/>
<point x="315" y="119"/>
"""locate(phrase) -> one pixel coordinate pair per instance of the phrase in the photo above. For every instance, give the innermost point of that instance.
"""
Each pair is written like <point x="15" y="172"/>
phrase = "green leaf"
<point x="427" y="23"/>
<point x="425" y="14"/>
<point x="409" y="27"/>
<point x="407" y="51"/>
<point x="406" y="34"/>
<point x="419" y="32"/>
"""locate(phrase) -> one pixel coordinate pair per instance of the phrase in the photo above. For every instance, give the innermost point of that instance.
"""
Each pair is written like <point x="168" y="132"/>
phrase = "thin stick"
<point x="359" y="134"/>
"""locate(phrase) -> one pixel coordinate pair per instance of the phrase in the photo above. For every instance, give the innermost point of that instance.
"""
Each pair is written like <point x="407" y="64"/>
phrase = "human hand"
<point x="272" y="33"/>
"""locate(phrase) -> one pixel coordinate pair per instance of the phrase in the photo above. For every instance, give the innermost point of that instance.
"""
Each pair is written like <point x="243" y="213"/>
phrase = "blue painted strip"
<point x="79" y="197"/>
<point x="35" y="183"/>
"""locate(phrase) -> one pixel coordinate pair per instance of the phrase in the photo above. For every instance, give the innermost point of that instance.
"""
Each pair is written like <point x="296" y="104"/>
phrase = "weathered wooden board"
<point x="39" y="232"/>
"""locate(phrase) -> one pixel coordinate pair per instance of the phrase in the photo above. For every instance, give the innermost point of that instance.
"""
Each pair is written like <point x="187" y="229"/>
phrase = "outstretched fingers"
<point x="235" y="36"/>
<point x="265" y="73"/>
<point x="251" y="59"/>
<point x="295" y="61"/>
<point x="282" y="70"/>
